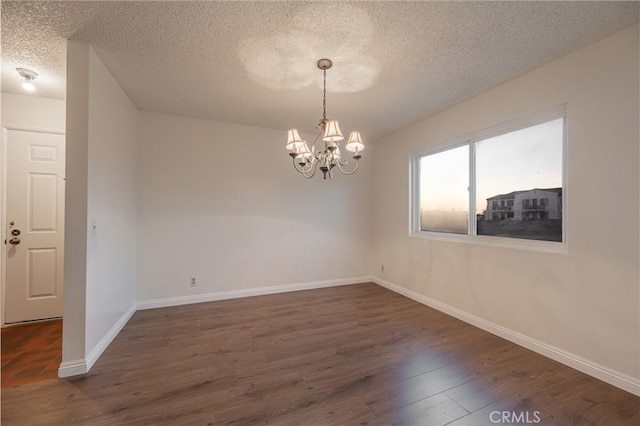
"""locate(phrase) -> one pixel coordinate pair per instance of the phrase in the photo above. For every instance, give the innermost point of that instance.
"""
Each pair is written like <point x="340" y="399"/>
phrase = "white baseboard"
<point x="108" y="338"/>
<point x="82" y="366"/>
<point x="72" y="368"/>
<point x="234" y="294"/>
<point x="615" y="378"/>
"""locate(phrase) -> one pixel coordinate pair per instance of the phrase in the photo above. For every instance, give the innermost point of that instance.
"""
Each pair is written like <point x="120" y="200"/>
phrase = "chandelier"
<point x="306" y="161"/>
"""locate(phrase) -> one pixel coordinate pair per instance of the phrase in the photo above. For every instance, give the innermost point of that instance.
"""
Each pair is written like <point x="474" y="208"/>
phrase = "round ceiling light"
<point x="28" y="76"/>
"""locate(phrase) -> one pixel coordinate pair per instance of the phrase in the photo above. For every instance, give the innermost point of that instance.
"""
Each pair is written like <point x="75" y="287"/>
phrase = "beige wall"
<point x="100" y="265"/>
<point x="221" y="203"/>
<point x="75" y="217"/>
<point x="207" y="209"/>
<point x="112" y="203"/>
<point x="584" y="302"/>
<point x="33" y="113"/>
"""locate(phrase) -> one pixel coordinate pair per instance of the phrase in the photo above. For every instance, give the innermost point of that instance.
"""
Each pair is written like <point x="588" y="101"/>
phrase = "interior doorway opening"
<point x="32" y="240"/>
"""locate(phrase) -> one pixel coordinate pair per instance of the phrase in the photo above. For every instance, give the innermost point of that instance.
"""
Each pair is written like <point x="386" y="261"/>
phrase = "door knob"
<point x="15" y="232"/>
<point x="14" y="241"/>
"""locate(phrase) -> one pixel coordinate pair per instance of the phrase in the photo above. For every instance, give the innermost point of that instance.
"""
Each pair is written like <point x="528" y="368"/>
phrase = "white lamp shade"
<point x="293" y="139"/>
<point x="303" y="151"/>
<point x="355" y="143"/>
<point x="332" y="131"/>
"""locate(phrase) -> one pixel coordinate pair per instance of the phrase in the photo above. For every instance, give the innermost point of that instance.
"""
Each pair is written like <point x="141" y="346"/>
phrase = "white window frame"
<point x="470" y="141"/>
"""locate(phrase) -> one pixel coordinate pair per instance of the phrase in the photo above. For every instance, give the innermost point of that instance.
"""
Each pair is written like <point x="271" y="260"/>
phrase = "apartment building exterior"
<point x="533" y="204"/>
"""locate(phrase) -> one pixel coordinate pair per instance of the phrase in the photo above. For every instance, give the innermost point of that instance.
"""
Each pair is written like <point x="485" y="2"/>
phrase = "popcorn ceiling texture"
<point x="254" y="63"/>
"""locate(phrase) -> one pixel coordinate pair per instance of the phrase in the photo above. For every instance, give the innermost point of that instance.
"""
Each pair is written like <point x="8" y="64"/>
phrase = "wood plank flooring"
<point x="31" y="353"/>
<point x="352" y="355"/>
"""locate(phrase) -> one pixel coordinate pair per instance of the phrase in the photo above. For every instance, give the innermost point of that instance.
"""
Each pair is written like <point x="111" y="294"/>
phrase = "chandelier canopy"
<point x="306" y="161"/>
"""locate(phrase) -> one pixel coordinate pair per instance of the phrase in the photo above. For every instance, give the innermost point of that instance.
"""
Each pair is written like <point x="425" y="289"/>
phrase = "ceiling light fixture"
<point x="28" y="76"/>
<point x="306" y="161"/>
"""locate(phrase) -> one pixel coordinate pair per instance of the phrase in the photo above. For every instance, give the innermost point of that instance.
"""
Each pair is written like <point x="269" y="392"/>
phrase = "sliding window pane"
<point x="444" y="193"/>
<point x="519" y="183"/>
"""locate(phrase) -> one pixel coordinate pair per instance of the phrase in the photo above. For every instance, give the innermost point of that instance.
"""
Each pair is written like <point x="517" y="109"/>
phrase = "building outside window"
<point x="462" y="191"/>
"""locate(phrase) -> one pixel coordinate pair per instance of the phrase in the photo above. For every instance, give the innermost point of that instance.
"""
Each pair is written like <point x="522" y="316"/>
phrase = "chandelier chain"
<point x="324" y="94"/>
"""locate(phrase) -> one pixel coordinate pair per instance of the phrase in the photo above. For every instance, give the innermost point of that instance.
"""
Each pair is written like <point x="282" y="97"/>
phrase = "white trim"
<point x="82" y="366"/>
<point x="470" y="140"/>
<point x="512" y="125"/>
<point x="565" y="178"/>
<point x="472" y="218"/>
<point x="72" y="368"/>
<point x="234" y="294"/>
<point x="3" y="225"/>
<point x="615" y="378"/>
<point x="35" y="129"/>
<point x="490" y="241"/>
<point x="108" y="338"/>
<point x="18" y="324"/>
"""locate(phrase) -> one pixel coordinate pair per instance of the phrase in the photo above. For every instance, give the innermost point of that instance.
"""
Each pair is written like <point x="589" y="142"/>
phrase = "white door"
<point x="35" y="225"/>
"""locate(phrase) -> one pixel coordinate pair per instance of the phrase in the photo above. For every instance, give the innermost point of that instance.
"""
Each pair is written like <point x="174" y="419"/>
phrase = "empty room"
<point x="320" y="213"/>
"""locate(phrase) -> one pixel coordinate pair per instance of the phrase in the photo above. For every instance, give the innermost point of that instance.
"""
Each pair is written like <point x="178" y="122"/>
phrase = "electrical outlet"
<point x="193" y="281"/>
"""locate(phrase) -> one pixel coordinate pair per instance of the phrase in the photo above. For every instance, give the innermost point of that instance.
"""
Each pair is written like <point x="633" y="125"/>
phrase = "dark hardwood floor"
<point x="345" y="355"/>
<point x="31" y="353"/>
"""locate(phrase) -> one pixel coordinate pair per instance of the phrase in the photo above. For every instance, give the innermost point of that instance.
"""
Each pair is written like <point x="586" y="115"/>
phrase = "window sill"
<point x="510" y="243"/>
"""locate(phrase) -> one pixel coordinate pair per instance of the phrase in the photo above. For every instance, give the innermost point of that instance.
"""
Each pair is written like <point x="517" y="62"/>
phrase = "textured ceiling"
<point x="254" y="62"/>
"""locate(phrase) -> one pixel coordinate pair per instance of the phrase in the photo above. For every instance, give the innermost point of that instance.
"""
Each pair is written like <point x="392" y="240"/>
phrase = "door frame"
<point x="3" y="204"/>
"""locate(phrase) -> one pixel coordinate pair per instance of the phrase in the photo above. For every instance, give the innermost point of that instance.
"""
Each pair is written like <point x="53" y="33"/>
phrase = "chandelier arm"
<point x="312" y="166"/>
<point x="315" y="141"/>
<point x="347" y="173"/>
<point x="301" y="169"/>
<point x="296" y="166"/>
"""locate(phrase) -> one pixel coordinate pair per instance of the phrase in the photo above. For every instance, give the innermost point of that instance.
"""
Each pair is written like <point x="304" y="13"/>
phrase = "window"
<point x="508" y="185"/>
<point x="444" y="205"/>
